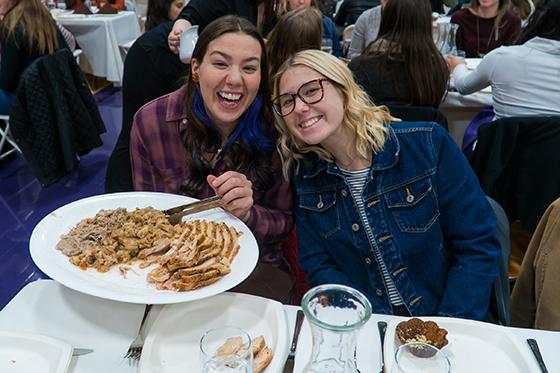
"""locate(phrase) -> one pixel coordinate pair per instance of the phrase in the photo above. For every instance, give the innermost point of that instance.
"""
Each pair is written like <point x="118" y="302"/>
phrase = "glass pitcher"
<point x="336" y="313"/>
<point x="447" y="33"/>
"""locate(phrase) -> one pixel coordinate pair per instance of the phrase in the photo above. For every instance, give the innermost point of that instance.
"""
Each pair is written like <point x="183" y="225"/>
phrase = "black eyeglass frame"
<point x="297" y="94"/>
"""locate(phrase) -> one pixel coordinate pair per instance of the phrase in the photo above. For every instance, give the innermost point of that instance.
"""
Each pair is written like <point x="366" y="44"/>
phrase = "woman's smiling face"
<point x="318" y="123"/>
<point x="229" y="77"/>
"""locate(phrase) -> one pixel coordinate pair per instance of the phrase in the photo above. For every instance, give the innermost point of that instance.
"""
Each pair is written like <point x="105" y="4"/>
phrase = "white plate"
<point x="25" y="353"/>
<point x="134" y="288"/>
<point x="172" y="344"/>
<point x="473" y="346"/>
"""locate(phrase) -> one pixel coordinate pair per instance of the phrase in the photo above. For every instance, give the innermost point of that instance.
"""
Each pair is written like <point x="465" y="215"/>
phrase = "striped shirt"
<point x="356" y="181"/>
<point x="158" y="158"/>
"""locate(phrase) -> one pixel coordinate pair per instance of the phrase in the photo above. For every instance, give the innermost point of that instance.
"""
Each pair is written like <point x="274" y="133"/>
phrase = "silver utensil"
<point x="289" y="365"/>
<point x="175" y="214"/>
<point x="135" y="350"/>
<point x="382" y="328"/>
<point x="537" y="353"/>
<point x="81" y="351"/>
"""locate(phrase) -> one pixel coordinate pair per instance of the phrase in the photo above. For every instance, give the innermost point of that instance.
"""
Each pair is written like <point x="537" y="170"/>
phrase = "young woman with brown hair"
<point x="296" y="30"/>
<point x="485" y="25"/>
<point x="403" y="65"/>
<point x="27" y="32"/>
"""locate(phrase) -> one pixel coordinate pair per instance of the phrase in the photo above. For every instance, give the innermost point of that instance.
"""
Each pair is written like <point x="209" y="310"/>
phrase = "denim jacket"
<point x="431" y="223"/>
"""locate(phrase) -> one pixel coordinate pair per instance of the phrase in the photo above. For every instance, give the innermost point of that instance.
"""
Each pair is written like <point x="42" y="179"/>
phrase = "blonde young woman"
<point x="392" y="210"/>
<point x="27" y="32"/>
<point x="485" y="25"/>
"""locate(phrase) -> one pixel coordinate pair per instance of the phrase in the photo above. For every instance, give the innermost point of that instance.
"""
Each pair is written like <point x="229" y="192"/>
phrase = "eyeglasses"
<point x="310" y="93"/>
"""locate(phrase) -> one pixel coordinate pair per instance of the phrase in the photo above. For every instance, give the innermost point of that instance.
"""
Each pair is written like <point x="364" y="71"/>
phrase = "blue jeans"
<point x="6" y="99"/>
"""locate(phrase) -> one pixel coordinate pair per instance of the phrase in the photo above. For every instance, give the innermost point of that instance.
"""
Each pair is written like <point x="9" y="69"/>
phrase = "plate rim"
<point x="64" y="347"/>
<point x="283" y="332"/>
<point x="390" y="345"/>
<point x="160" y="297"/>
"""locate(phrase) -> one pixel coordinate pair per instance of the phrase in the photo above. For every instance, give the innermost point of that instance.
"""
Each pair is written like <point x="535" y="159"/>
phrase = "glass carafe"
<point x="336" y="313"/>
<point x="447" y="33"/>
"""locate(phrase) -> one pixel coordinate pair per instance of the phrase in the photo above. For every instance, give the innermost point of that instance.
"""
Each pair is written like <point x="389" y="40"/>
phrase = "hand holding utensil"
<point x="289" y="365"/>
<point x="537" y="353"/>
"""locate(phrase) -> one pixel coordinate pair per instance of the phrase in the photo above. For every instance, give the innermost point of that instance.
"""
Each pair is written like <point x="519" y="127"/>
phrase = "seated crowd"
<point x="301" y="143"/>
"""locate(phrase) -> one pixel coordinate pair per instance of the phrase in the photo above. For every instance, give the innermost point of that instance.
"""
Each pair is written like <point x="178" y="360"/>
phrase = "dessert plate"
<point x="473" y="346"/>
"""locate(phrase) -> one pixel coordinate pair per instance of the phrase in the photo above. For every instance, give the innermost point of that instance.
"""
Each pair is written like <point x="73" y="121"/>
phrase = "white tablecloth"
<point x="46" y="307"/>
<point x="99" y="36"/>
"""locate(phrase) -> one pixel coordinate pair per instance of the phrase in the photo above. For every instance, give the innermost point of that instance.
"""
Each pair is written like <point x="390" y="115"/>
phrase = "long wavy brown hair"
<point x="37" y="24"/>
<point x="202" y="137"/>
<point x="405" y="36"/>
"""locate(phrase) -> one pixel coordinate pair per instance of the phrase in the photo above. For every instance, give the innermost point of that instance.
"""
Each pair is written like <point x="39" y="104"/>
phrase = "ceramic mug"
<point x="187" y="42"/>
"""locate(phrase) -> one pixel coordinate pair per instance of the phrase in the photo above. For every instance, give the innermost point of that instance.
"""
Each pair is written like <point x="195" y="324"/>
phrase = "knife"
<point x="537" y="353"/>
<point x="289" y="365"/>
<point x="382" y="328"/>
<point x="81" y="351"/>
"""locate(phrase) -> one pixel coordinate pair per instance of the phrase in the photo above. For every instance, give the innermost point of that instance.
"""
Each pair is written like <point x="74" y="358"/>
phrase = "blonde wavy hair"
<point x="361" y="116"/>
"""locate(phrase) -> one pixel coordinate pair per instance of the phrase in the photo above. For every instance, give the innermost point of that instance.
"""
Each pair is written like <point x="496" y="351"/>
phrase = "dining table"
<point x="108" y="327"/>
<point x="101" y="38"/>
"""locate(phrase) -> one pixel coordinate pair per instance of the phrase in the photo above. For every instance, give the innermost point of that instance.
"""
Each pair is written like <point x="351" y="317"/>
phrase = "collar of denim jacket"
<point x="384" y="159"/>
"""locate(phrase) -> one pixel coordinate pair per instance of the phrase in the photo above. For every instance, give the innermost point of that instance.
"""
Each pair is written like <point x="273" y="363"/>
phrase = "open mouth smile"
<point x="310" y="122"/>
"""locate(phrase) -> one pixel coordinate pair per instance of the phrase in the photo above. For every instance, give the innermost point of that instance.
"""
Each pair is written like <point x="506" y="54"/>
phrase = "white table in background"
<point x="99" y="36"/>
<point x="108" y="327"/>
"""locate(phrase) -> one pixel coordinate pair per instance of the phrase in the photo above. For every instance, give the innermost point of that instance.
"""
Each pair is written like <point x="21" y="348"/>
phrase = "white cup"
<point x="187" y="42"/>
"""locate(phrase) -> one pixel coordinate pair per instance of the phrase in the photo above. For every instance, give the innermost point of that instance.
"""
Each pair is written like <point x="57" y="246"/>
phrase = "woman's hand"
<point x="453" y="61"/>
<point x="173" y="39"/>
<point x="236" y="192"/>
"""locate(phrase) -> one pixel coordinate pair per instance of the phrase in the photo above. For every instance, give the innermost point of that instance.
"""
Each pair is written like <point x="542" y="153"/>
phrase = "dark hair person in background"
<point x="216" y="135"/>
<point x="296" y="30"/>
<point x="485" y="25"/>
<point x="329" y="28"/>
<point x="160" y="11"/>
<point x="27" y="32"/>
<point x="260" y="13"/>
<point x="151" y="70"/>
<point x="403" y="65"/>
<point x="525" y="78"/>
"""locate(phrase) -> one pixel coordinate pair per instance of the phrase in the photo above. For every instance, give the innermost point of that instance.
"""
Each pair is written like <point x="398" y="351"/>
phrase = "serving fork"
<point x="175" y="214"/>
<point x="135" y="350"/>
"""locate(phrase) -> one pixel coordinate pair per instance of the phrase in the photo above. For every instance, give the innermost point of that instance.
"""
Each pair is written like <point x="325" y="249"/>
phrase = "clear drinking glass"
<point x="418" y="357"/>
<point x="216" y="360"/>
<point x="336" y="313"/>
<point x="326" y="45"/>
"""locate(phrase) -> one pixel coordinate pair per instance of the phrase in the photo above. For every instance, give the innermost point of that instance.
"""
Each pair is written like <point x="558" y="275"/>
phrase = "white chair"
<point x="6" y="138"/>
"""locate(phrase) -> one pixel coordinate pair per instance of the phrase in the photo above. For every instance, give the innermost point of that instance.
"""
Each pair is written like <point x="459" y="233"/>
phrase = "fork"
<point x="135" y="350"/>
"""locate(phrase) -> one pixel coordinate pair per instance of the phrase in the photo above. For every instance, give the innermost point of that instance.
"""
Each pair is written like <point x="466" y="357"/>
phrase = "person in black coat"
<point x="151" y="70"/>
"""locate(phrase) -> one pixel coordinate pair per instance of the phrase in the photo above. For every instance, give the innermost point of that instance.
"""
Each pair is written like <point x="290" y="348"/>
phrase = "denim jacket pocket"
<point x="321" y="211"/>
<point x="414" y="206"/>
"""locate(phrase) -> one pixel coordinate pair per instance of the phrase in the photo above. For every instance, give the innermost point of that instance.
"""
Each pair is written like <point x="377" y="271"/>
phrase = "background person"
<point x="329" y="28"/>
<point x="160" y="11"/>
<point x="365" y="30"/>
<point x="27" y="32"/>
<point x="394" y="211"/>
<point x="403" y="65"/>
<point x="298" y="29"/>
<point x="485" y="25"/>
<point x="260" y="13"/>
<point x="530" y="85"/>
<point x="215" y="135"/>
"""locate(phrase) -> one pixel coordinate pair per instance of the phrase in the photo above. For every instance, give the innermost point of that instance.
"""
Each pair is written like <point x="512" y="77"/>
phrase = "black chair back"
<point x="417" y="114"/>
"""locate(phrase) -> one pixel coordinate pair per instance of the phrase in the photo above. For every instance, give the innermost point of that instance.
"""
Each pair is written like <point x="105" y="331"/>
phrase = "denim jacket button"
<point x="367" y="261"/>
<point x="410" y="198"/>
<point x="344" y="193"/>
<point x="320" y="204"/>
<point x="378" y="292"/>
<point x="355" y="227"/>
